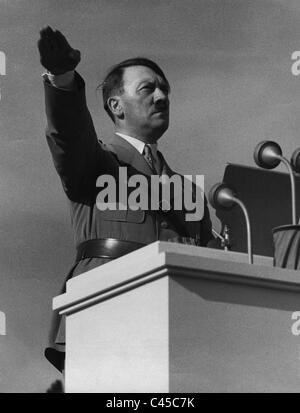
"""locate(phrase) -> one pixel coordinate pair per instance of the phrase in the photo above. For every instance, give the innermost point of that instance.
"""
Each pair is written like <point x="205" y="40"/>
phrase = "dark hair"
<point x="113" y="81"/>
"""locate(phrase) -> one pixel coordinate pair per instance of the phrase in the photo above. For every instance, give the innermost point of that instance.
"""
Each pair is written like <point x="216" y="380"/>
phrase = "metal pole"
<point x="249" y="240"/>
<point x="293" y="188"/>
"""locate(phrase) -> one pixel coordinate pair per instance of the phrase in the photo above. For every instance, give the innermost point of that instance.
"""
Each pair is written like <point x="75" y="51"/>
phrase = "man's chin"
<point x="161" y="129"/>
<point x="161" y="120"/>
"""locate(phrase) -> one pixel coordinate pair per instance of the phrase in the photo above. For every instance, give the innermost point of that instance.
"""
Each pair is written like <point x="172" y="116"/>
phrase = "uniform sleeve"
<point x="64" y="81"/>
<point x="77" y="154"/>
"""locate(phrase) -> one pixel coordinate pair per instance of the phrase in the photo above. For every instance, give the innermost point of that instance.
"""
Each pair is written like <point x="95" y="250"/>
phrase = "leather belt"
<point x="106" y="248"/>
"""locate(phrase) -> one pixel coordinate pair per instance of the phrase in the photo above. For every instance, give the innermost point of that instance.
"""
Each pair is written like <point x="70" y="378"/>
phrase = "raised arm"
<point x="70" y="132"/>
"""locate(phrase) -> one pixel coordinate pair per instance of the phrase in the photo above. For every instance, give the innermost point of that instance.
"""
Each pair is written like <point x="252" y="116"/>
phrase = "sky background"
<point x="229" y="66"/>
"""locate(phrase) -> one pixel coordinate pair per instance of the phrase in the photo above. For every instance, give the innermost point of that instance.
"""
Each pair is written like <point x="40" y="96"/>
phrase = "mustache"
<point x="162" y="107"/>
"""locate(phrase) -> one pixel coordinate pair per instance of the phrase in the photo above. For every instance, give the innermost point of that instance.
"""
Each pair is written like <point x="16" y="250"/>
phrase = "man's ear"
<point x="115" y="105"/>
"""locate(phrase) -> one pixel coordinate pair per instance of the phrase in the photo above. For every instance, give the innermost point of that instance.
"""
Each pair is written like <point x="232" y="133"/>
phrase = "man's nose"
<point x="160" y="95"/>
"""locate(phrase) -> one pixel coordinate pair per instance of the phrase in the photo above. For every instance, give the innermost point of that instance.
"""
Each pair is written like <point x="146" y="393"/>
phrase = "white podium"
<point x="178" y="318"/>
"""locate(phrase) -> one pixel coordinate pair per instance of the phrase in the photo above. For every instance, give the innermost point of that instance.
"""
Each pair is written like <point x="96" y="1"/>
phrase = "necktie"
<point x="149" y="158"/>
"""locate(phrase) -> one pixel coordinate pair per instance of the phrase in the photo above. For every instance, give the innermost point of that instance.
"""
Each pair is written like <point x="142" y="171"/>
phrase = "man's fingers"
<point x="41" y="45"/>
<point x="73" y="54"/>
<point x="44" y="46"/>
<point x="49" y="39"/>
<point x="55" y="38"/>
<point x="61" y="40"/>
<point x="46" y="32"/>
<point x="56" y="54"/>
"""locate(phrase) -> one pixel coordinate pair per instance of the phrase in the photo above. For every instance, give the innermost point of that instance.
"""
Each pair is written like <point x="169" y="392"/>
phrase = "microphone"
<point x="268" y="155"/>
<point x="221" y="196"/>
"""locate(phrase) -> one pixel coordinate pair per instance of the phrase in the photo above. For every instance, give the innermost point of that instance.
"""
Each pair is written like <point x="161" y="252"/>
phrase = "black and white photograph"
<point x="150" y="198"/>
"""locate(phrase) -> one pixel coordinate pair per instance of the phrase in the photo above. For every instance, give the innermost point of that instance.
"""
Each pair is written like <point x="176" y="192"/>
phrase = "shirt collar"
<point x="137" y="144"/>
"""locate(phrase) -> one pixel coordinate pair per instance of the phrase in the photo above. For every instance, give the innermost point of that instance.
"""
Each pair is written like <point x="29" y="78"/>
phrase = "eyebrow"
<point x="151" y="81"/>
<point x="146" y="80"/>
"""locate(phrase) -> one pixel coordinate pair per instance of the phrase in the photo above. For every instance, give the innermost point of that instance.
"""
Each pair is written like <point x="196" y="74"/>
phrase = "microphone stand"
<point x="222" y="196"/>
<point x="268" y="155"/>
<point x="293" y="187"/>
<point x="249" y="238"/>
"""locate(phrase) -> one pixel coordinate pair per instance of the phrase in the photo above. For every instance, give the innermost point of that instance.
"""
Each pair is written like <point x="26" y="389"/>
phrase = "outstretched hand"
<point x="56" y="54"/>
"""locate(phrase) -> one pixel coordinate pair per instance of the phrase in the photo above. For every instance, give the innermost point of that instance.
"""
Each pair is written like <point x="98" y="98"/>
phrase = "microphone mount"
<point x="268" y="155"/>
<point x="221" y="196"/>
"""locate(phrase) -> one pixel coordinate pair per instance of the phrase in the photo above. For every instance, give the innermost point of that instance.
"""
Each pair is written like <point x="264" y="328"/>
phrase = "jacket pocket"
<point x="123" y="216"/>
<point x="135" y="216"/>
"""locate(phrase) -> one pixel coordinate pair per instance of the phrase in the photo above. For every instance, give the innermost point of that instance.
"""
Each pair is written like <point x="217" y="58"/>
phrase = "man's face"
<point x="145" y="103"/>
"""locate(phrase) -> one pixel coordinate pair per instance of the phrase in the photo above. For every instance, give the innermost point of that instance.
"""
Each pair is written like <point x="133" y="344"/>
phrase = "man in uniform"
<point x="136" y="97"/>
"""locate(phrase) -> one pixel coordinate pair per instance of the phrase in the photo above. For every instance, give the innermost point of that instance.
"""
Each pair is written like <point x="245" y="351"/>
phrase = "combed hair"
<point x="113" y="81"/>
